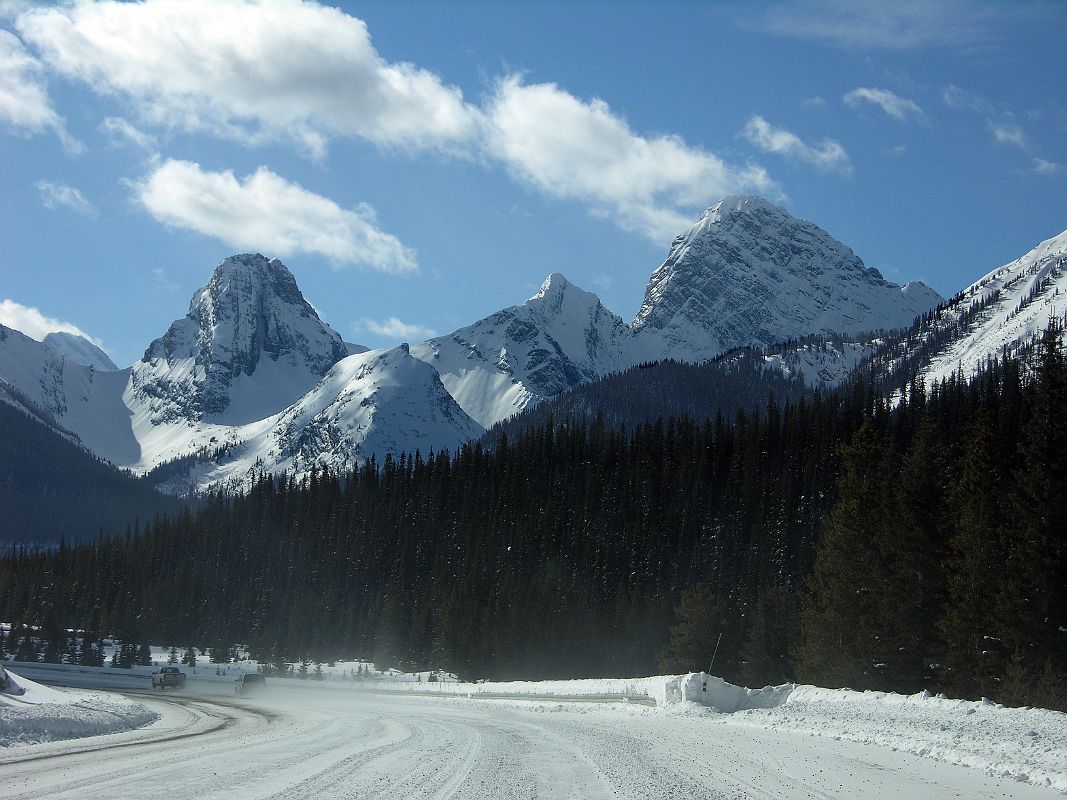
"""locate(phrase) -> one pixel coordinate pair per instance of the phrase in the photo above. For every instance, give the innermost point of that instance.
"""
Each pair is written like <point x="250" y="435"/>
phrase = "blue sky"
<point x="421" y="165"/>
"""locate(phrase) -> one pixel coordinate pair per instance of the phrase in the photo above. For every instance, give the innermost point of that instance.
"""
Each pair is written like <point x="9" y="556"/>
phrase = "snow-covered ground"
<point x="693" y="736"/>
<point x="30" y="713"/>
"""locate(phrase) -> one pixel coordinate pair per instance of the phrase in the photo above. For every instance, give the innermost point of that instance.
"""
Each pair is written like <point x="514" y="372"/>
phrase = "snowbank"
<point x="663" y="690"/>
<point x="30" y="712"/>
<point x="1026" y="744"/>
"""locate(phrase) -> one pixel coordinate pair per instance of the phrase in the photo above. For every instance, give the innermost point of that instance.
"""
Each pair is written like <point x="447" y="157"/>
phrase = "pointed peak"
<point x="740" y="204"/>
<point x="556" y="283"/>
<point x="250" y="264"/>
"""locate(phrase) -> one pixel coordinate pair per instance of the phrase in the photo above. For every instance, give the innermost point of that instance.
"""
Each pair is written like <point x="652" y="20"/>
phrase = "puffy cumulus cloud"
<point x="250" y="70"/>
<point x="892" y="104"/>
<point x="393" y="328"/>
<point x="264" y="211"/>
<point x="36" y="325"/>
<point x="579" y="150"/>
<point x="25" y="107"/>
<point x="828" y="155"/>
<point x="54" y="195"/>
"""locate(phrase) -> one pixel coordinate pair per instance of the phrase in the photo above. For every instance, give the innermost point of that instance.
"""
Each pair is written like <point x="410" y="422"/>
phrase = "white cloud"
<point x="35" y="324"/>
<point x="813" y="102"/>
<point x="25" y="107"/>
<point x="263" y="211"/>
<point x="569" y="148"/>
<point x="867" y="24"/>
<point x="1007" y="132"/>
<point x="250" y="70"/>
<point x="122" y="131"/>
<point x="1045" y="167"/>
<point x="892" y="104"/>
<point x="394" y="328"/>
<point x="828" y="155"/>
<point x="955" y="97"/>
<point x="54" y="195"/>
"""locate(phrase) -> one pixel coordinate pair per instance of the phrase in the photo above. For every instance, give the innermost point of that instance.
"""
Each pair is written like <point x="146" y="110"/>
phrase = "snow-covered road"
<point x="321" y="742"/>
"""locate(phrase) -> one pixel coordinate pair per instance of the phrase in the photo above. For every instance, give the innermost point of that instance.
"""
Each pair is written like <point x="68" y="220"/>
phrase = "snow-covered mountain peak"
<point x="249" y="346"/>
<point x="79" y="350"/>
<point x="740" y="203"/>
<point x="560" y="337"/>
<point x="750" y="273"/>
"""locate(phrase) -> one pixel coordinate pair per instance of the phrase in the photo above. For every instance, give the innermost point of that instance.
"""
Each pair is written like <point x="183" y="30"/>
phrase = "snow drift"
<point x="31" y="713"/>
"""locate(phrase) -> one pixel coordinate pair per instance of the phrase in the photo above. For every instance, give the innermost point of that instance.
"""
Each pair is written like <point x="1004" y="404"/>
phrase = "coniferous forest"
<point x="842" y="539"/>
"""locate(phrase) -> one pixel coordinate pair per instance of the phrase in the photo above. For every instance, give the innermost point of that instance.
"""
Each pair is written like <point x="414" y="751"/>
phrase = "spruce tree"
<point x="1036" y="595"/>
<point x="841" y="631"/>
<point x="971" y="624"/>
<point x="701" y="618"/>
<point x="774" y="630"/>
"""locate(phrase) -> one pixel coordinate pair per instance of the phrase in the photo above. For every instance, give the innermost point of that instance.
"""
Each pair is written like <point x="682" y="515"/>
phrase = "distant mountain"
<point x="559" y="338"/>
<point x="373" y="403"/>
<point x="79" y="350"/>
<point x="749" y="273"/>
<point x="249" y="380"/>
<point x="248" y="348"/>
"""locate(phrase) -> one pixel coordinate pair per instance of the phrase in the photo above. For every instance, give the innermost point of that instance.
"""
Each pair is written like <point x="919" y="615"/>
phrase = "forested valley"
<point x="844" y="539"/>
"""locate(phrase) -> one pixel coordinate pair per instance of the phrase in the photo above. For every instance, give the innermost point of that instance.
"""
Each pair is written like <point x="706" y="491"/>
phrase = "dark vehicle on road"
<point x="168" y="678"/>
<point x="249" y="683"/>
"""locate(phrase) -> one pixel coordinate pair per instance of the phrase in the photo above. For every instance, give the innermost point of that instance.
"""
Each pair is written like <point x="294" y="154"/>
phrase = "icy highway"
<point x="318" y="742"/>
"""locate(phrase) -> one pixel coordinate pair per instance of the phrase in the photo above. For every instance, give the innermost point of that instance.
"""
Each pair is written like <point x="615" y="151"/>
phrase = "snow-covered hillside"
<point x="560" y="337"/>
<point x="252" y="378"/>
<point x="1019" y="299"/>
<point x="373" y="403"/>
<point x="749" y="273"/>
<point x="251" y="374"/>
<point x="79" y="350"/>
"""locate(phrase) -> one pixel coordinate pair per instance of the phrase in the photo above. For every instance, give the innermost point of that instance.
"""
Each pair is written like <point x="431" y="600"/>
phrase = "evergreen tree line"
<point x="50" y="487"/>
<point x="838" y="540"/>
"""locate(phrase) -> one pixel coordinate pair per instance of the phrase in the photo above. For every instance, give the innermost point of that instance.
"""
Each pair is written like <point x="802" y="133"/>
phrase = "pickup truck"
<point x="168" y="677"/>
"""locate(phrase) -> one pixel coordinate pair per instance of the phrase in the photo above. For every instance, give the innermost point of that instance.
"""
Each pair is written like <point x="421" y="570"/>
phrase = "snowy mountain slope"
<point x="821" y="364"/>
<point x="560" y="337"/>
<point x="248" y="348"/>
<point x="746" y="274"/>
<point x="79" y="350"/>
<point x="1018" y="299"/>
<point x="241" y="374"/>
<point x="74" y="399"/>
<point x="749" y="273"/>
<point x="373" y="403"/>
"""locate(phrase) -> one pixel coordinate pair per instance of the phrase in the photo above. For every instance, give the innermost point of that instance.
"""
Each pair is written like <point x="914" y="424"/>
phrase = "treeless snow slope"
<point x="326" y="741"/>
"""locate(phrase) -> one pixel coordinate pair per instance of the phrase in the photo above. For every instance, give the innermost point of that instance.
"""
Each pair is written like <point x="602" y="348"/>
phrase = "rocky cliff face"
<point x="559" y="338"/>
<point x="249" y="346"/>
<point x="749" y="273"/>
